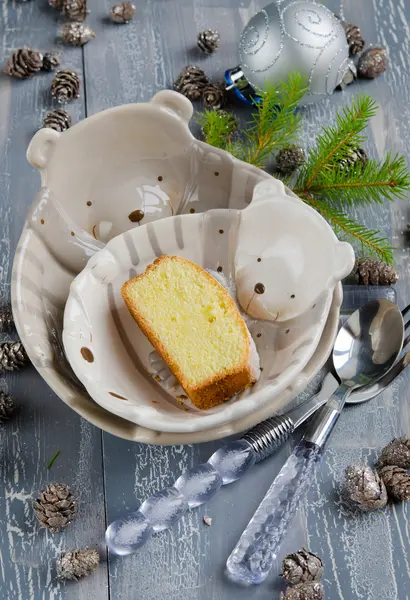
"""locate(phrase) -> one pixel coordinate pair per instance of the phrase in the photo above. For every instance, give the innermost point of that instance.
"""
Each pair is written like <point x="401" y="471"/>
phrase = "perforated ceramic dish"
<point x="294" y="265"/>
<point x="98" y="179"/>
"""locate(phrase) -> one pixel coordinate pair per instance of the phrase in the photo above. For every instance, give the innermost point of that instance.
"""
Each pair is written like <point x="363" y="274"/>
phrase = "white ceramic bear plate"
<point x="98" y="179"/>
<point x="284" y="262"/>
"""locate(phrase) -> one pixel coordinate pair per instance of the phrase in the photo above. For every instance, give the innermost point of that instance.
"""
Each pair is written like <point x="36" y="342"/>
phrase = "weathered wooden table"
<point x="366" y="558"/>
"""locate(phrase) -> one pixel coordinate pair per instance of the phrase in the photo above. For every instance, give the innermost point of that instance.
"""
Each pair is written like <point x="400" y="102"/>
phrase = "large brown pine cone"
<point x="12" y="356"/>
<point x="301" y="567"/>
<point x="397" y="482"/>
<point x="78" y="563"/>
<point x="23" y="63"/>
<point x="396" y="453"/>
<point x="55" y="507"/>
<point x="65" y="86"/>
<point x="191" y="82"/>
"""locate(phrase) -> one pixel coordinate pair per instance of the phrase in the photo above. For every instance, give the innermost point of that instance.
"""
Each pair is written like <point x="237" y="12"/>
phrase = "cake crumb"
<point x="208" y="520"/>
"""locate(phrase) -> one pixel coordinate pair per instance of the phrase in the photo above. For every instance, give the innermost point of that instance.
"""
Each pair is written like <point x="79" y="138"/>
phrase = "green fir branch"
<point x="357" y="184"/>
<point x="217" y="127"/>
<point x="336" y="143"/>
<point x="275" y="123"/>
<point x="369" y="240"/>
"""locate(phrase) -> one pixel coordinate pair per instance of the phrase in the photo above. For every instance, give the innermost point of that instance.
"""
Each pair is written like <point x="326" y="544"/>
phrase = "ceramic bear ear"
<point x="344" y="261"/>
<point x="175" y="103"/>
<point x="41" y="147"/>
<point x="268" y="188"/>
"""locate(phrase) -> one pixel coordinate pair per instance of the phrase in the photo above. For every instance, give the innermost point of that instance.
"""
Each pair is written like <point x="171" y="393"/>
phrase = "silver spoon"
<point x="366" y="348"/>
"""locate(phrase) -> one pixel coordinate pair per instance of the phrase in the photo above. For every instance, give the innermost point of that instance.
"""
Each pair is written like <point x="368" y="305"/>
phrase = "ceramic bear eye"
<point x="259" y="288"/>
<point x="87" y="354"/>
<point x="293" y="296"/>
<point x="136" y="216"/>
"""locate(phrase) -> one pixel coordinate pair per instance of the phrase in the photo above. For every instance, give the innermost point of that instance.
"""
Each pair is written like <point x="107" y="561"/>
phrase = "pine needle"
<point x="217" y="127"/>
<point x="53" y="459"/>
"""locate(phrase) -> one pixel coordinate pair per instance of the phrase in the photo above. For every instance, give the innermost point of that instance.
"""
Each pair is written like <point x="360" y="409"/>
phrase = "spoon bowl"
<point x="369" y="343"/>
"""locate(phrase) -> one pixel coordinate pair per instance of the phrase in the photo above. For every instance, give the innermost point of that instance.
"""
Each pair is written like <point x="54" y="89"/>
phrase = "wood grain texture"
<point x="43" y="423"/>
<point x="367" y="557"/>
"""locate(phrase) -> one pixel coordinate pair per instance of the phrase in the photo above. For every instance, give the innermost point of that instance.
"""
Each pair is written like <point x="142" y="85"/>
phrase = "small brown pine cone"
<point x="397" y="482"/>
<point x="65" y="86"/>
<point x="208" y="41"/>
<point x="370" y="271"/>
<point x="364" y="489"/>
<point x="214" y="95"/>
<point x="75" y="10"/>
<point x="76" y="33"/>
<point x="51" y="61"/>
<point x="191" y="82"/>
<point x="301" y="567"/>
<point x="7" y="407"/>
<point x="304" y="591"/>
<point x="12" y="356"/>
<point x="122" y="13"/>
<point x="6" y="319"/>
<point x="55" y="507"/>
<point x="58" y="119"/>
<point x="76" y="564"/>
<point x="396" y="453"/>
<point x="289" y="159"/>
<point x="356" y="156"/>
<point x="23" y="63"/>
<point x="372" y="63"/>
<point x="354" y="38"/>
<point x="348" y="77"/>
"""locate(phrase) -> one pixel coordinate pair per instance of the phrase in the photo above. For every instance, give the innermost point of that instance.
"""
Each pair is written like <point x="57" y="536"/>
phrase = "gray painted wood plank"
<point x="43" y="423"/>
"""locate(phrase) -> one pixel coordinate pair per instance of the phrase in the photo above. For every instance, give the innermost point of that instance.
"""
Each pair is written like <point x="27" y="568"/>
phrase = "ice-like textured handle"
<point x="253" y="556"/>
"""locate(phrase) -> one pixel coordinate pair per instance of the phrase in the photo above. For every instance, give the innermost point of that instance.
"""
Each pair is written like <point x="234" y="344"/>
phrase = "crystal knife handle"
<point x="253" y="556"/>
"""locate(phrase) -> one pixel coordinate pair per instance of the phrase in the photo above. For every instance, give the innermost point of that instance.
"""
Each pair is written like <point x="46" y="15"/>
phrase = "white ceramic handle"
<point x="174" y="102"/>
<point x="41" y="147"/>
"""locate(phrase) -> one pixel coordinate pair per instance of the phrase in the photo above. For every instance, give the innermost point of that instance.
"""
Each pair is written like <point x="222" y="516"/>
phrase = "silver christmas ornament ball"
<point x="291" y="35"/>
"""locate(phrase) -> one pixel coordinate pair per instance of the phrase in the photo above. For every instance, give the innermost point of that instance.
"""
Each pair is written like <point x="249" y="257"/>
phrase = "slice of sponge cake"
<point x="194" y="324"/>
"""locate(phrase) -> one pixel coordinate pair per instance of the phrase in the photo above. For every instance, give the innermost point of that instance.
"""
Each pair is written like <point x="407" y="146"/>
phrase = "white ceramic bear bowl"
<point x="111" y="173"/>
<point x="282" y="261"/>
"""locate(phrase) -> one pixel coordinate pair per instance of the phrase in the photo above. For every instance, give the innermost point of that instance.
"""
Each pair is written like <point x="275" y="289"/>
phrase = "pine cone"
<point x="12" y="356"/>
<point x="396" y="453"/>
<point x="65" y="86"/>
<point x="363" y="488"/>
<point x="356" y="156"/>
<point x="304" y="591"/>
<point x="7" y="407"/>
<point x="191" y="82"/>
<point x="289" y="159"/>
<point x="214" y="95"/>
<point x="397" y="482"/>
<point x="354" y="38"/>
<point x="55" y="508"/>
<point x="76" y="564"/>
<point x="123" y="12"/>
<point x="6" y="319"/>
<point x="301" y="567"/>
<point x="76" y="33"/>
<point x="208" y="41"/>
<point x="75" y="10"/>
<point x="23" y="63"/>
<point x="51" y="61"/>
<point x="369" y="271"/>
<point x="372" y="63"/>
<point x="58" y="119"/>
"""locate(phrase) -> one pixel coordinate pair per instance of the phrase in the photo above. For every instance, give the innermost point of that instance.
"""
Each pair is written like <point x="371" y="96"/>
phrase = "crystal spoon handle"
<point x="254" y="554"/>
<point x="197" y="485"/>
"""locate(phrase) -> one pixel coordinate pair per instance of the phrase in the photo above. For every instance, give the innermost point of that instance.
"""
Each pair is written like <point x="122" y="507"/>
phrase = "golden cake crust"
<point x="220" y="387"/>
